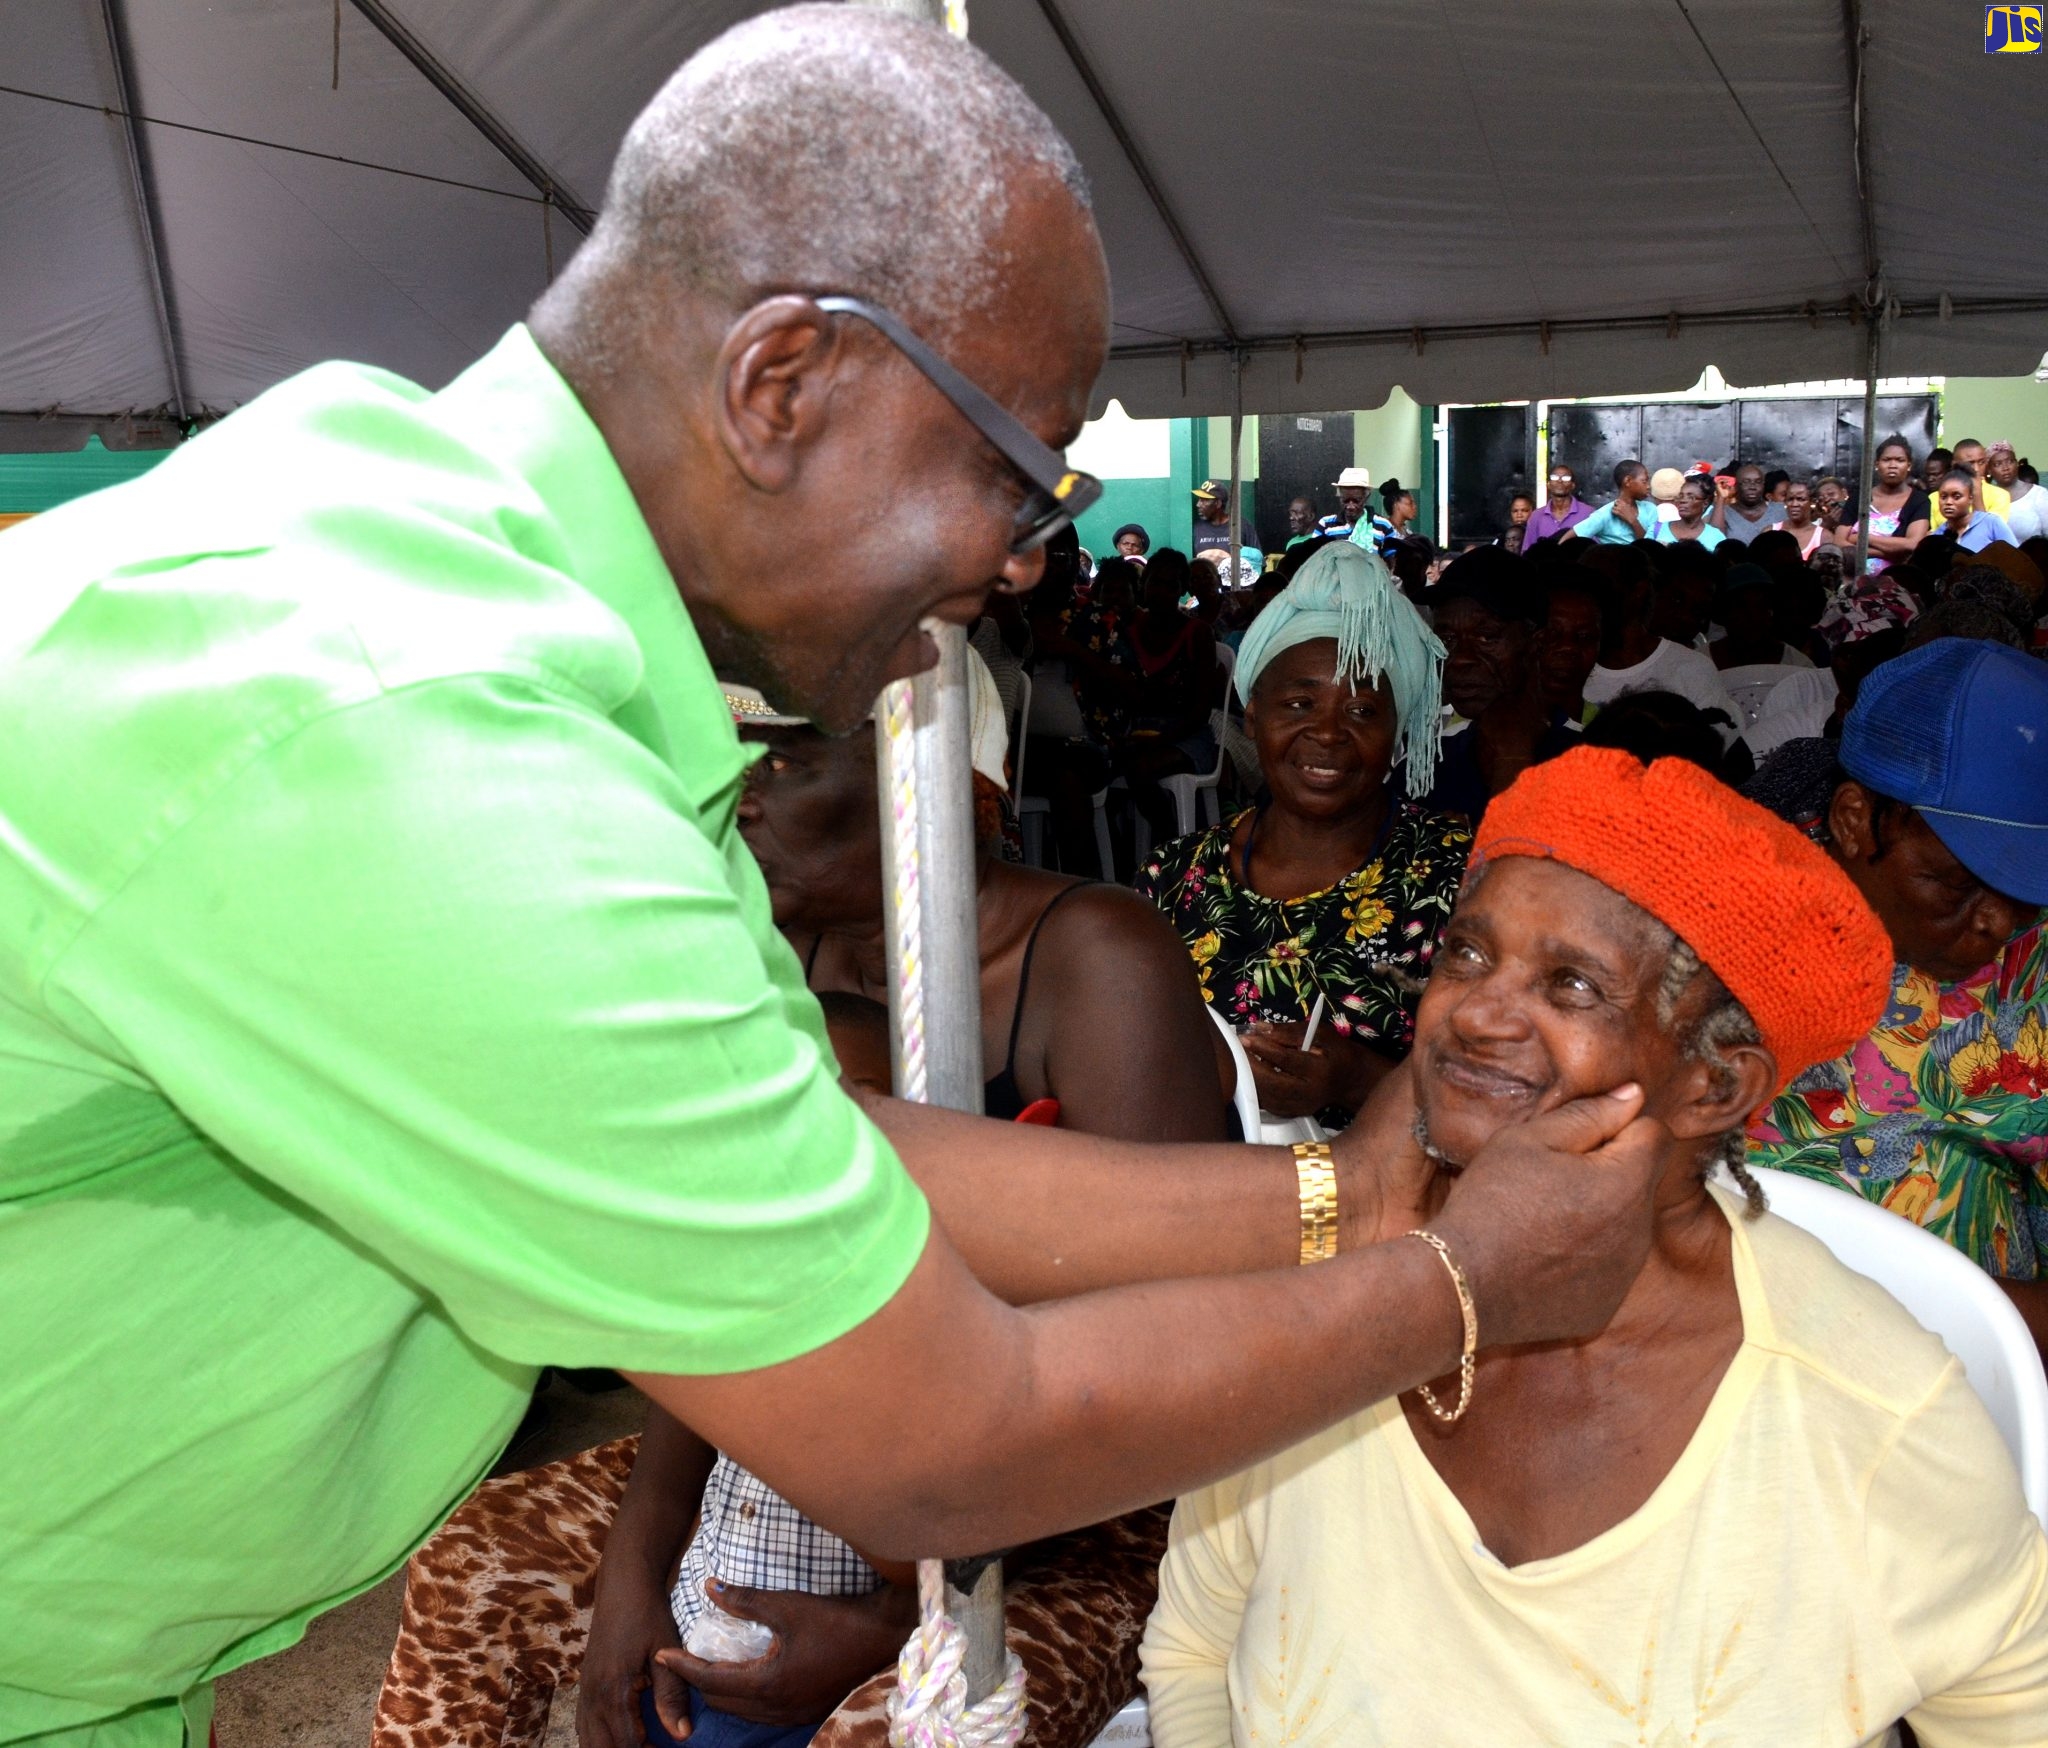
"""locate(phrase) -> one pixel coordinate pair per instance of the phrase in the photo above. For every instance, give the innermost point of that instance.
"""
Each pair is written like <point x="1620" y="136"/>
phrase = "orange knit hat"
<point x="1766" y="911"/>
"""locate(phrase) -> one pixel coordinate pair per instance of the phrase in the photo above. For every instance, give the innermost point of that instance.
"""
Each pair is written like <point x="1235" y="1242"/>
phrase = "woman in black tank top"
<point x="1088" y="997"/>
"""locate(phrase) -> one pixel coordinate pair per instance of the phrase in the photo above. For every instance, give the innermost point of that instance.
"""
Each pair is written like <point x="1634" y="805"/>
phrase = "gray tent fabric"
<point x="1493" y="201"/>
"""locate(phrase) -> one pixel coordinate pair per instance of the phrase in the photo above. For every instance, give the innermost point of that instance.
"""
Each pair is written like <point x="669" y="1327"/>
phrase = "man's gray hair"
<point x="823" y="148"/>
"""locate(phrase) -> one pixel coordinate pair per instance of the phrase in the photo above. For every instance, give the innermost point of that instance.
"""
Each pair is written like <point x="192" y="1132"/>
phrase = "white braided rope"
<point x="929" y="1708"/>
<point x="898" y="726"/>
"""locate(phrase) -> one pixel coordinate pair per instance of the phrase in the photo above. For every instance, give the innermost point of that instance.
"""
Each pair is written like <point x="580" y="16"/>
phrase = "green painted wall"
<point x="1393" y="439"/>
<point x="1990" y="407"/>
<point x="1389" y="440"/>
<point x="1148" y="502"/>
<point x="1247" y="447"/>
<point x="42" y="482"/>
<point x="1190" y="467"/>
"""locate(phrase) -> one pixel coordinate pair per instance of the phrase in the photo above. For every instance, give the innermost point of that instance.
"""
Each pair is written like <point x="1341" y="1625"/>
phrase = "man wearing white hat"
<point x="1354" y="493"/>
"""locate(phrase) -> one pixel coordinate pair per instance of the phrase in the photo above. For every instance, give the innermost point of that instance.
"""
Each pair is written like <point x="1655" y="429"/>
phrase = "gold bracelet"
<point x="1466" y="1310"/>
<point x="1316" y="1173"/>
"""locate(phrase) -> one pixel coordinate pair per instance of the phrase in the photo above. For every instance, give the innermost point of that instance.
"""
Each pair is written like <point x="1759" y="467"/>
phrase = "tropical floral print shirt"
<point x="1941" y="1114"/>
<point x="1363" y="944"/>
<point x="1102" y="632"/>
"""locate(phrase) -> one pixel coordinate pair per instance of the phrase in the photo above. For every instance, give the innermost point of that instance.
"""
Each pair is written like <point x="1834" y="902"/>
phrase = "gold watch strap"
<point x="1316" y="1172"/>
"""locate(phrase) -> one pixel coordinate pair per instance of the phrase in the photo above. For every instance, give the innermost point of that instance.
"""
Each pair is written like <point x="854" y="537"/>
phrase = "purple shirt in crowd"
<point x="1543" y="524"/>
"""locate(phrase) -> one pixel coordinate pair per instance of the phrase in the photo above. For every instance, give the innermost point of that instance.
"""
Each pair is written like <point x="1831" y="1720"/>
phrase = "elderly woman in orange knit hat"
<point x="1711" y="1520"/>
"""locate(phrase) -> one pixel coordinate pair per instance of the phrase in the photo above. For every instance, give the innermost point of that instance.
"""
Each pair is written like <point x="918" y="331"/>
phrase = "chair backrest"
<point x="1246" y="1097"/>
<point x="1950" y="1296"/>
<point x="1019" y="722"/>
<point x="1226" y="667"/>
<point x="1257" y="1125"/>
<point x="1130" y="1728"/>
<point x="1219" y="726"/>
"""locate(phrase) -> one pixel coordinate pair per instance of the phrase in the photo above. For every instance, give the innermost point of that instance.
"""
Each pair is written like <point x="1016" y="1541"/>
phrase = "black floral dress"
<point x="1363" y="944"/>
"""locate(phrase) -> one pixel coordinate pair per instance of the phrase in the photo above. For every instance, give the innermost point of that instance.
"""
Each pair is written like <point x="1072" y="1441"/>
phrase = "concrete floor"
<point x="322" y="1692"/>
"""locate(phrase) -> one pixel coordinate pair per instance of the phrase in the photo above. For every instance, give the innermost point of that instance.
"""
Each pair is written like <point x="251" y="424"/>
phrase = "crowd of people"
<point x="1603" y="698"/>
<point x="440" y="936"/>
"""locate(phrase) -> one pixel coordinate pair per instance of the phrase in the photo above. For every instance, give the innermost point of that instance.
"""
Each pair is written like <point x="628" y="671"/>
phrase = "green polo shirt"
<point x="388" y="1006"/>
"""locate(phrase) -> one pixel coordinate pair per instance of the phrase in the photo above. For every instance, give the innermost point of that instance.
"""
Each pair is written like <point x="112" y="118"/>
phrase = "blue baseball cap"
<point x="1958" y="731"/>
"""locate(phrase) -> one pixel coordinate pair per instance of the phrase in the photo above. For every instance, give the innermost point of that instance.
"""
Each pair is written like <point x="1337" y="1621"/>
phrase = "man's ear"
<point x="1852" y="821"/>
<point x="775" y="372"/>
<point x="1720" y="1095"/>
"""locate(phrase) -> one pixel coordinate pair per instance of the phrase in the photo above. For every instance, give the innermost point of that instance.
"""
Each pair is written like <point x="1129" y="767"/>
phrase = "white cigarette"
<point x="1315" y="1019"/>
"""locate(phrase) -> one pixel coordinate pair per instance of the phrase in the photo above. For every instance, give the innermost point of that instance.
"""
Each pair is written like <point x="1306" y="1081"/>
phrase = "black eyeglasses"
<point x="1059" y="493"/>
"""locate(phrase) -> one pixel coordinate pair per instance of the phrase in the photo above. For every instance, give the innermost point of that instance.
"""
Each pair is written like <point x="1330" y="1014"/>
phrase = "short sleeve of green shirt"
<point x="455" y="967"/>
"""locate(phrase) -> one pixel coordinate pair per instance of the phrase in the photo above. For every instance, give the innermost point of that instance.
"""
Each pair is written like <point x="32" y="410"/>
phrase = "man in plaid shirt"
<point x="837" y="1617"/>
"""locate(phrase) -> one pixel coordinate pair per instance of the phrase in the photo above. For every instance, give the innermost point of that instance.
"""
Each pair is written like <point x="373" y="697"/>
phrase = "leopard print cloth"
<point x="498" y="1602"/>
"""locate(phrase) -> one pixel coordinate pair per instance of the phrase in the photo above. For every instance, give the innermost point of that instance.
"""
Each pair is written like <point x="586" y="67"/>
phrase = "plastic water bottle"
<point x="718" y="1637"/>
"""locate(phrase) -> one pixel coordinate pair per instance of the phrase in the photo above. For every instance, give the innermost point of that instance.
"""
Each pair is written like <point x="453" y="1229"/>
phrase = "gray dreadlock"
<point x="1722" y="1024"/>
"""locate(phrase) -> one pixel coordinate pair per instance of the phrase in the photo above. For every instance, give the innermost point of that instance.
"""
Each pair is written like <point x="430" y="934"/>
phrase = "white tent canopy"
<point x="1491" y="201"/>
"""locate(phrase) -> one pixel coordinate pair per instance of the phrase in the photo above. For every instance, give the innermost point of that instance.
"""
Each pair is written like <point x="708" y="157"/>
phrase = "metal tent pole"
<point x="1236" y="463"/>
<point x="923" y="760"/>
<point x="1871" y="365"/>
<point x="925" y="776"/>
<point x="142" y="181"/>
<point x="925" y="771"/>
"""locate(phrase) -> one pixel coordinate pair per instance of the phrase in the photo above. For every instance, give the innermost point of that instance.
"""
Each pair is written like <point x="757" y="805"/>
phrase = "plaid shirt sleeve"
<point x="752" y="1537"/>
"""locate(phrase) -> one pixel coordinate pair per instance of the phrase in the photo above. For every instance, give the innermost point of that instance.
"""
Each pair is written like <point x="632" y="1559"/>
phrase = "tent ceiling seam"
<point x="477" y="113"/>
<point x="1859" y="44"/>
<point x="215" y="133"/>
<point x="1454" y="38"/>
<point x="1810" y="314"/>
<point x="1139" y="168"/>
<point x="1756" y="133"/>
<point x="141" y="182"/>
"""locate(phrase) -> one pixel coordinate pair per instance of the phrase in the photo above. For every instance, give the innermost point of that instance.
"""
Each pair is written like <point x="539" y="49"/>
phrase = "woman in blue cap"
<point x="1936" y="805"/>
<point x="1328" y="895"/>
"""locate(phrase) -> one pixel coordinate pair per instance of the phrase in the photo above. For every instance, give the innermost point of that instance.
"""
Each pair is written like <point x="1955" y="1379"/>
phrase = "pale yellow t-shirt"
<point x="1843" y="1543"/>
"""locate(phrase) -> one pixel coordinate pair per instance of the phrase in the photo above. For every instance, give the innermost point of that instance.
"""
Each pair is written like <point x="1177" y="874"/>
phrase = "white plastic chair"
<point x="1020" y="723"/>
<point x="1246" y="1096"/>
<point x="1950" y="1296"/>
<point x="1130" y="1728"/>
<point x="1258" y="1125"/>
<point x="1186" y="785"/>
<point x="1034" y="810"/>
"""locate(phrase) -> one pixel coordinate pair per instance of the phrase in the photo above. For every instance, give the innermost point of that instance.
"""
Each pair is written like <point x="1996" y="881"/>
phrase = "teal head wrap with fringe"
<point x="1346" y="593"/>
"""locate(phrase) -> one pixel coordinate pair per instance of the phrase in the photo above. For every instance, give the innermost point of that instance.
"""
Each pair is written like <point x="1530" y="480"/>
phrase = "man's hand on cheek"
<point x="1553" y="1218"/>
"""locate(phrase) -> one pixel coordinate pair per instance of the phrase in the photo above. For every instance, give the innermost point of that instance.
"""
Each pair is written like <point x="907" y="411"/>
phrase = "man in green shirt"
<point x="388" y="1005"/>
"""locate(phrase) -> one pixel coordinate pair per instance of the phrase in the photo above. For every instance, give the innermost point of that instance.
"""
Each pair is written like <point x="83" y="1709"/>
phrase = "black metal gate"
<point x="1493" y="456"/>
<point x="1300" y="456"/>
<point x="1808" y="436"/>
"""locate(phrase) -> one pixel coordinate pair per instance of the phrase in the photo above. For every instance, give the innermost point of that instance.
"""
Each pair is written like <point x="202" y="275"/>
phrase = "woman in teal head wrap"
<point x="1337" y="883"/>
